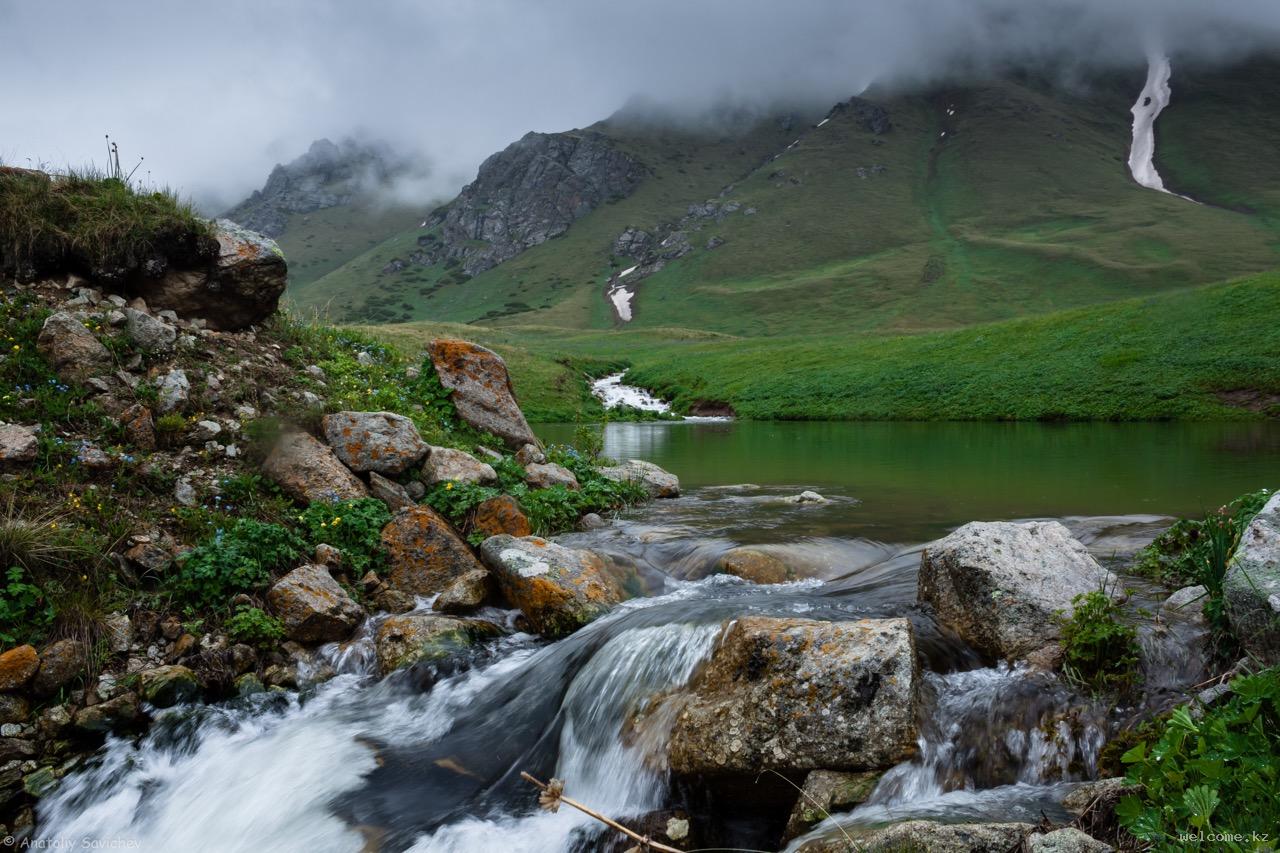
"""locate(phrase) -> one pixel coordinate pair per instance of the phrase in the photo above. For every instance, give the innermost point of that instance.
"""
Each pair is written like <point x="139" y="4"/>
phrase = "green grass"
<point x="317" y="243"/>
<point x="89" y="223"/>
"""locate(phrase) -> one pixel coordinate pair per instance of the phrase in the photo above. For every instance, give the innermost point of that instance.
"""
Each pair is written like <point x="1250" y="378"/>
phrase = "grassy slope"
<point x="320" y="242"/>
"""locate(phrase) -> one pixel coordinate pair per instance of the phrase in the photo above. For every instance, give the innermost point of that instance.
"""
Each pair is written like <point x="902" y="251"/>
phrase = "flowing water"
<point x="429" y="759"/>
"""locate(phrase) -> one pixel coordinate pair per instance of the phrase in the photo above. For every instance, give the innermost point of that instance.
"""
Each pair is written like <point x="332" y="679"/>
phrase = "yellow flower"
<point x="17" y="347"/>
<point x="337" y="521"/>
<point x="53" y="525"/>
<point x="448" y="485"/>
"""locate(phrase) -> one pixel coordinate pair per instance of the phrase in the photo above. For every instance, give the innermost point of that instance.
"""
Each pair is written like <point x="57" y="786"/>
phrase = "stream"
<point x="428" y="759"/>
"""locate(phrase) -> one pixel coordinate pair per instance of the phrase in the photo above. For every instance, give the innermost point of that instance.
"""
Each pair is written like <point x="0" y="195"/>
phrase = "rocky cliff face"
<point x="328" y="175"/>
<point x="526" y="194"/>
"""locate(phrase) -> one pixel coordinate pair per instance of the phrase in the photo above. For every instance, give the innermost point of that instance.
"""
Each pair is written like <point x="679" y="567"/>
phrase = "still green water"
<point x="943" y="474"/>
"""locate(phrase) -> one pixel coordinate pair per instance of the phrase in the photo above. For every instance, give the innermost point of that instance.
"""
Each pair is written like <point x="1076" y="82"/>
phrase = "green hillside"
<point x="317" y="243"/>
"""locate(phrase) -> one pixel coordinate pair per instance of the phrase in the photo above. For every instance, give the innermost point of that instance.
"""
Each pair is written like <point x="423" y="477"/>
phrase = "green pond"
<point x="925" y="477"/>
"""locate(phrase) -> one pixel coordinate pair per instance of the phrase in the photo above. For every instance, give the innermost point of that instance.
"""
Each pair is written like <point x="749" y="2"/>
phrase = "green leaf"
<point x="1200" y="802"/>
<point x="1136" y="754"/>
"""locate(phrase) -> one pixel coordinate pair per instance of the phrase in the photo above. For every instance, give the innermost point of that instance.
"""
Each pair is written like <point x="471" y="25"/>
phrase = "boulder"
<point x="313" y="607"/>
<point x="17" y="667"/>
<point x="18" y="446"/>
<point x="754" y="565"/>
<point x="389" y="492"/>
<point x="501" y="515"/>
<point x="121" y="712"/>
<point x="444" y="464"/>
<point x="14" y="709"/>
<point x="72" y="349"/>
<point x="796" y="695"/>
<point x="924" y="835"/>
<point x="827" y="792"/>
<point x="166" y="686"/>
<point x="424" y="553"/>
<point x="530" y="454"/>
<point x="1187" y="604"/>
<point x="1065" y="840"/>
<point x="242" y="287"/>
<point x="60" y="664"/>
<point x="465" y="594"/>
<point x="148" y="333"/>
<point x="1252" y="585"/>
<point x="657" y="482"/>
<point x="173" y="391"/>
<point x="413" y="637"/>
<point x="1000" y="585"/>
<point x="547" y="474"/>
<point x="308" y="471"/>
<point x="482" y="392"/>
<point x="374" y="441"/>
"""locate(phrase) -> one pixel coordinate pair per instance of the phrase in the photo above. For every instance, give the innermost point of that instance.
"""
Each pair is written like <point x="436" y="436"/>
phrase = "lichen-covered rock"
<point x="308" y="471"/>
<point x="389" y="492"/>
<point x="313" y="607"/>
<point x="657" y="482"/>
<point x="71" y="348"/>
<point x="752" y="564"/>
<point x="18" y="446"/>
<point x="444" y="464"/>
<point x="413" y="637"/>
<point x="1000" y="585"/>
<point x="166" y="686"/>
<point x="558" y="589"/>
<point x="827" y="792"/>
<point x="374" y="441"/>
<point x="1252" y="585"/>
<point x="465" y="594"/>
<point x="482" y="392"/>
<point x="501" y="515"/>
<point x="17" y="667"/>
<point x="60" y="664"/>
<point x="544" y="475"/>
<point x="1065" y="840"/>
<point x="424" y="553"/>
<point x="923" y="835"/>
<point x="139" y="427"/>
<point x="796" y="695"/>
<point x="120" y="712"/>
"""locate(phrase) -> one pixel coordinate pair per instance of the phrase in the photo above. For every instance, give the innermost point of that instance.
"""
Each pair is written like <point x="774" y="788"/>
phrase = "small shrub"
<point x="252" y="626"/>
<point x="25" y="610"/>
<point x="1178" y="556"/>
<point x="240" y="558"/>
<point x="456" y="500"/>
<point x="354" y="527"/>
<point x="1101" y="652"/>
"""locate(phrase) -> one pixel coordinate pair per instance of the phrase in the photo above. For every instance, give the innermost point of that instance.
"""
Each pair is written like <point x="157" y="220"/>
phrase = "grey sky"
<point x="213" y="94"/>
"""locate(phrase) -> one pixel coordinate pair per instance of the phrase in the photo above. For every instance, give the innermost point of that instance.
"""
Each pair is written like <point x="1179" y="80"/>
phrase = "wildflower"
<point x="448" y="486"/>
<point x="337" y="521"/>
<point x="17" y="347"/>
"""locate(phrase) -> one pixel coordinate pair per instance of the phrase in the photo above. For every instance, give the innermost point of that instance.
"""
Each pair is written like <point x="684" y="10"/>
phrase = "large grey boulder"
<point x="795" y="695"/>
<point x="482" y="392"/>
<point x="656" y="481"/>
<point x="1000" y="585"/>
<point x="149" y="333"/>
<point x="75" y="353"/>
<point x="308" y="471"/>
<point x="446" y="464"/>
<point x="374" y="441"/>
<point x="313" y="607"/>
<point x="1252" y="585"/>
<point x="558" y="589"/>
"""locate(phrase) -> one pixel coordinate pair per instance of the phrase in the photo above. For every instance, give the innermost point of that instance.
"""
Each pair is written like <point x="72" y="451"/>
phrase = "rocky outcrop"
<point x="526" y="194"/>
<point x="374" y="441"/>
<point x="656" y="481"/>
<point x="444" y="464"/>
<point x="752" y="564"/>
<point x="872" y="118"/>
<point x="558" y="589"/>
<point x="1000" y="585"/>
<point x="413" y="637"/>
<point x="482" y="392"/>
<point x="313" y="607"/>
<point x="796" y="695"/>
<point x="1252" y="585"/>
<point x="424" y="553"/>
<point x="309" y="471"/>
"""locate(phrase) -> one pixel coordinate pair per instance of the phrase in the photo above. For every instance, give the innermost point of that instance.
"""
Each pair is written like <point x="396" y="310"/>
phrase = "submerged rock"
<point x="308" y="471"/>
<point x="313" y="607"/>
<point x="656" y="481"/>
<point x="405" y="640"/>
<point x="796" y="695"/>
<point x="1252" y="585"/>
<point x="1000" y="585"/>
<point x="558" y="589"/>
<point x="424" y="553"/>
<point x="482" y="392"/>
<point x="374" y="441"/>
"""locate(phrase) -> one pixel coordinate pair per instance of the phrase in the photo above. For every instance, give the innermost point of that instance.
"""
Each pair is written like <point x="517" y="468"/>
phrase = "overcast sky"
<point x="214" y="94"/>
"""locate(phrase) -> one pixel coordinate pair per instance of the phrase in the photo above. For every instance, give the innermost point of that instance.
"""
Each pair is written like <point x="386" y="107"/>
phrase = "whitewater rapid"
<point x="1151" y="102"/>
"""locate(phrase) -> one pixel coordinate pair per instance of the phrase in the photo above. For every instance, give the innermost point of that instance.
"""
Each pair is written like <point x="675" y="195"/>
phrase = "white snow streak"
<point x="1154" y="98"/>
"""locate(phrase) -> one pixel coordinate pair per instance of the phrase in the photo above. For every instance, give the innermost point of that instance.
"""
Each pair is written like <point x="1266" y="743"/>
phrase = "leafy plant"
<point x="1218" y="776"/>
<point x="354" y="527"/>
<point x="455" y="500"/>
<point x="253" y="626"/>
<point x="1101" y="652"/>
<point x="25" y="610"/>
<point x="1182" y="554"/>
<point x="238" y="559"/>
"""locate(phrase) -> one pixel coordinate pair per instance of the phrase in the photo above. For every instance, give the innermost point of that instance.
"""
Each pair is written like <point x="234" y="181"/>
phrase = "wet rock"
<point x="313" y="607"/>
<point x="389" y="492"/>
<point x="548" y="474"/>
<point x="1085" y="796"/>
<point x="672" y="827"/>
<point x="405" y="640"/>
<point x="482" y="392"/>
<point x="999" y="585"/>
<point x="40" y="783"/>
<point x="122" y="712"/>
<point x="444" y="464"/>
<point x="72" y="349"/>
<point x="501" y="515"/>
<point x="248" y="684"/>
<point x="754" y="565"/>
<point x="1252" y="585"/>
<point x="166" y="686"/>
<point x="465" y="594"/>
<point x="424" y="553"/>
<point x="827" y="792"/>
<point x="174" y="391"/>
<point x="17" y="667"/>
<point x="139" y="427"/>
<point x="308" y="471"/>
<point x="557" y="588"/>
<point x="1065" y="840"/>
<point x="374" y="441"/>
<point x="657" y="482"/>
<point x="796" y="695"/>
<point x="590" y="521"/>
<point x="148" y="333"/>
<point x="925" y="835"/>
<point x="805" y="497"/>
<point x="60" y="664"/>
<point x="1187" y="603"/>
<point x="18" y="446"/>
